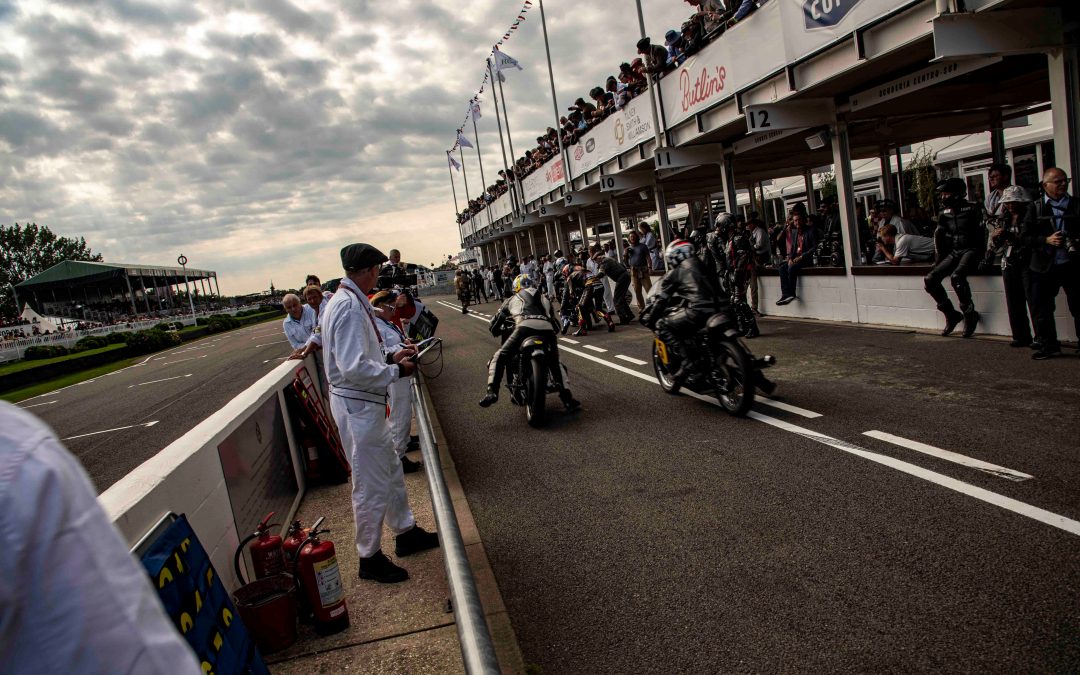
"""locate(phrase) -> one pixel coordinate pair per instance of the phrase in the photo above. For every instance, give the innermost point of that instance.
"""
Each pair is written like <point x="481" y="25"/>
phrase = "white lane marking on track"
<point x="278" y="359"/>
<point x="636" y="362"/>
<point x="994" y="469"/>
<point x="780" y="405"/>
<point x="166" y="379"/>
<point x="37" y="404"/>
<point x="1018" y="507"/>
<point x="57" y="391"/>
<point x="105" y="431"/>
<point x="276" y="342"/>
<point x="566" y="339"/>
<point x="190" y="358"/>
<point x="595" y="349"/>
<point x="262" y="335"/>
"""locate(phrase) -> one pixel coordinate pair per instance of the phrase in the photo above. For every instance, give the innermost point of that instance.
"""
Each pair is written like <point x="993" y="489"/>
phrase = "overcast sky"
<point x="258" y="137"/>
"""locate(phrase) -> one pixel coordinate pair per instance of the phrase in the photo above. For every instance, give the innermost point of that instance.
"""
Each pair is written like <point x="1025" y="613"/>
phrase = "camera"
<point x="389" y="277"/>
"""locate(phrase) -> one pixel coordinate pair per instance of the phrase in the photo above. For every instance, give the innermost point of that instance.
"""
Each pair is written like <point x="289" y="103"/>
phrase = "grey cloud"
<point x="26" y="132"/>
<point x="75" y="89"/>
<point x="308" y="72"/>
<point x="245" y="46"/>
<point x="293" y="19"/>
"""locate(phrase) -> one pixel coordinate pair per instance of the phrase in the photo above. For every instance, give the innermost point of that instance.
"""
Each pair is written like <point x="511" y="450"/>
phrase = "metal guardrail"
<point x="477" y="650"/>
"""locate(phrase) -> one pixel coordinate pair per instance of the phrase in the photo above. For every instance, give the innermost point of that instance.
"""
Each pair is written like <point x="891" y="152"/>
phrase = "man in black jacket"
<point x="1052" y="233"/>
<point x="620" y="281"/>
<point x="961" y="241"/>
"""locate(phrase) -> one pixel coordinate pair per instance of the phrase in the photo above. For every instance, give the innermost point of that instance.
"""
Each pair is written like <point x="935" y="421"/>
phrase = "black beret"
<point x="356" y="257"/>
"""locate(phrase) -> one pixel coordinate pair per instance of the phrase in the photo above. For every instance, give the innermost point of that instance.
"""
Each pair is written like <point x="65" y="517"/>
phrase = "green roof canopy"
<point x="79" y="273"/>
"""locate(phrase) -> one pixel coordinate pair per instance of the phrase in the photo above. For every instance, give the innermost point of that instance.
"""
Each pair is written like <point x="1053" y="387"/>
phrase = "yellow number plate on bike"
<point x="661" y="349"/>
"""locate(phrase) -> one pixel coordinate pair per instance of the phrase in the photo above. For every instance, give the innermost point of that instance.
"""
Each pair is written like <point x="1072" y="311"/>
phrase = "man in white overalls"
<point x="394" y="339"/>
<point x="359" y="373"/>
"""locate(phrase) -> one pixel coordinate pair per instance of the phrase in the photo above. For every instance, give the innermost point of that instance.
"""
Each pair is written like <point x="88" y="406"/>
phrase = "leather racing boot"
<point x="491" y="397"/>
<point x="971" y="321"/>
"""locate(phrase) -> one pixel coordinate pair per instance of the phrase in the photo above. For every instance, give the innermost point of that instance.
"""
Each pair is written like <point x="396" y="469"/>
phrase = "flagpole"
<point x="652" y="82"/>
<point x="511" y="179"/>
<point x="510" y="142"/>
<point x="464" y="174"/>
<point x="480" y="160"/>
<point x="555" y="104"/>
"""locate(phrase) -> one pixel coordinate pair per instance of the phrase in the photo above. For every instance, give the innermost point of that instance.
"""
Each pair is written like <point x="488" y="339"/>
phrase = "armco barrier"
<point x="187" y="476"/>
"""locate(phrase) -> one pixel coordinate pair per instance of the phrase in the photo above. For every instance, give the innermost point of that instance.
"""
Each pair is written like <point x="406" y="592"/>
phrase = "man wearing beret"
<point x="360" y="372"/>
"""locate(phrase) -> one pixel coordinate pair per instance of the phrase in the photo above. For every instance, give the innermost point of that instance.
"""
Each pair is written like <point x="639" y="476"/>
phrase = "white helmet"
<point x="678" y="251"/>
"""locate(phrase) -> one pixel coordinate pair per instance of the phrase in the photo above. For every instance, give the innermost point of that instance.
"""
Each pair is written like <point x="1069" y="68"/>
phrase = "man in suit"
<point x="1052" y="233"/>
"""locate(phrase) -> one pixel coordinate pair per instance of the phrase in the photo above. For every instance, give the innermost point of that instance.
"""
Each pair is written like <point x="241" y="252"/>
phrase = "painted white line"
<point x="190" y="358"/>
<point x="636" y="362"/>
<point x="262" y="335"/>
<point x="142" y="384"/>
<point x="208" y="345"/>
<point x="994" y="469"/>
<point x="568" y="340"/>
<point x="106" y="431"/>
<point x="1018" y="507"/>
<point x="458" y="308"/>
<point x="277" y="359"/>
<point x="276" y="342"/>
<point x="809" y="414"/>
<point x="595" y="349"/>
<point x="37" y="404"/>
<point x="57" y="391"/>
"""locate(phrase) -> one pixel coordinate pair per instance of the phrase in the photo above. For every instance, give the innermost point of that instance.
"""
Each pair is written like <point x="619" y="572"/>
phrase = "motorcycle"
<point x="529" y="380"/>
<point x="720" y="364"/>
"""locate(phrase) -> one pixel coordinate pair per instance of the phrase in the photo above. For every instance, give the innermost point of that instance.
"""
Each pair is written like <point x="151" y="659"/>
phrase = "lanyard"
<point x="394" y="326"/>
<point x="367" y="310"/>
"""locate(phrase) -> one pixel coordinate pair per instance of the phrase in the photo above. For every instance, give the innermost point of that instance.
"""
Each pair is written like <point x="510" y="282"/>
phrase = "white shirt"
<point x="354" y="358"/>
<point x="591" y="265"/>
<point x="300" y="331"/>
<point x="72" y="598"/>
<point x="903" y="226"/>
<point x="393" y="338"/>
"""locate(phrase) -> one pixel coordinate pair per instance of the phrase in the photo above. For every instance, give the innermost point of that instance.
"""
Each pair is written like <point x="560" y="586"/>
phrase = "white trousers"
<point x="550" y="278"/>
<point x="401" y="414"/>
<point x="609" y="296"/>
<point x="378" y="484"/>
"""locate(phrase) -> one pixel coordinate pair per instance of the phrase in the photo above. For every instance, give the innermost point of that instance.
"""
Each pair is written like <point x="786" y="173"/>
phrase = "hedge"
<point x="30" y="376"/>
<point x="153" y="340"/>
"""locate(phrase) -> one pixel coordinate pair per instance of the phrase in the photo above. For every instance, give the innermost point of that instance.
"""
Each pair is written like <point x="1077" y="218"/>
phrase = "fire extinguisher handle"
<point x="236" y="557"/>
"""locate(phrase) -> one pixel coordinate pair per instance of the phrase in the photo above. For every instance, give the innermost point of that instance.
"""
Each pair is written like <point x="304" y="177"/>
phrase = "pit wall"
<point x="894" y="300"/>
<point x="187" y="478"/>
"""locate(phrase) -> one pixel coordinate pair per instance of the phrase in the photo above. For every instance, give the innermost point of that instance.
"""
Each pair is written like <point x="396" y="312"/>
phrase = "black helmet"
<point x="954" y="186"/>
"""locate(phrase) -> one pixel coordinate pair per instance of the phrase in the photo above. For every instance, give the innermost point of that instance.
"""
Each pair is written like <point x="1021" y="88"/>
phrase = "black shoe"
<point x="971" y="320"/>
<point x="581" y="332"/>
<point x="1035" y="345"/>
<point x="414" y="541"/>
<point x="951" y="322"/>
<point x="491" y="397"/>
<point x="1020" y="344"/>
<point x="1044" y="354"/>
<point x="414" y="439"/>
<point x="379" y="568"/>
<point x="409" y="466"/>
<point x="569" y="402"/>
<point x="680" y="376"/>
<point x="413" y="446"/>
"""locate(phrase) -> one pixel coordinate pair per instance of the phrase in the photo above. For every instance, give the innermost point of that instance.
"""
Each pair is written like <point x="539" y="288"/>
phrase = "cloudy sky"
<point x="257" y="137"/>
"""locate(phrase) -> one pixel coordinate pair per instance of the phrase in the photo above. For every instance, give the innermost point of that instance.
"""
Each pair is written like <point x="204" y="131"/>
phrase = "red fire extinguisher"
<point x="266" y="554"/>
<point x="294" y="539"/>
<point x="320" y="582"/>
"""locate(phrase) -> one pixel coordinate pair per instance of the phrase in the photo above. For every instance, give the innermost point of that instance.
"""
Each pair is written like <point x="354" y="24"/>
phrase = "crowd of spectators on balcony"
<point x="709" y="21"/>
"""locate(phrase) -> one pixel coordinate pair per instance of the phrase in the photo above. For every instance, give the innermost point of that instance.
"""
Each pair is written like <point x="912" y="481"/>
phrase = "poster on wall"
<point x="543" y="180"/>
<point x="621" y="131"/>
<point x="809" y="25"/>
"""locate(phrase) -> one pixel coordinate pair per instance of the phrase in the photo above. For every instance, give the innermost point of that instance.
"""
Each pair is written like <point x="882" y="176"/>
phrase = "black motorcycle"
<point x="529" y="380"/>
<point x="721" y="364"/>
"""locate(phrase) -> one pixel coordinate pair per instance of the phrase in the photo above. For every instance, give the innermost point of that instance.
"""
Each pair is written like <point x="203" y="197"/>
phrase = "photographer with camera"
<point x="1052" y="232"/>
<point x="1015" y="263"/>
<point x="960" y="240"/>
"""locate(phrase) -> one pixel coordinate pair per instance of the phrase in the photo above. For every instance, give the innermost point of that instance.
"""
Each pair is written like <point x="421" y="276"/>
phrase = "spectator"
<point x="1052" y="232"/>
<point x="799" y="245"/>
<point x="1015" y="264"/>
<point x="619" y="92"/>
<point x="649" y="239"/>
<point x="299" y="325"/>
<point x="463" y="286"/>
<point x="886" y="210"/>
<point x="614" y="271"/>
<point x="656" y="56"/>
<point x="637" y="259"/>
<point x="478" y="286"/>
<point x="745" y="7"/>
<point x="72" y="599"/>
<point x="497" y="281"/>
<point x="315" y="299"/>
<point x="710" y="12"/>
<point x="903" y="248"/>
<point x="999" y="177"/>
<point x="673" y="43"/>
<point x="384" y="305"/>
<point x="313" y="280"/>
<point x="960" y="241"/>
<point x="587" y="110"/>
<point x="549" y="276"/>
<point x="693" y="37"/>
<point x="759" y="240"/>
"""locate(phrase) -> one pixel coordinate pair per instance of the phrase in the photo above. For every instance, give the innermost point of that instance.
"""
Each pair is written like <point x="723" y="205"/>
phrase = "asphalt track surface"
<point x="115" y="422"/>
<point x="654" y="533"/>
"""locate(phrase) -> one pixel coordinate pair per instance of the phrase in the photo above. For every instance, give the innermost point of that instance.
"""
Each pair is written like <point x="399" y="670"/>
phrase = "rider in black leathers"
<point x="960" y="241"/>
<point x="531" y="314"/>
<point x="687" y="287"/>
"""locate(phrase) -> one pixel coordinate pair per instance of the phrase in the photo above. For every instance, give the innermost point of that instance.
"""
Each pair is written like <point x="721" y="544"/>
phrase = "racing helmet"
<point x="522" y="281"/>
<point x="953" y="186"/>
<point x="566" y="270"/>
<point x="678" y="251"/>
<point x="723" y="223"/>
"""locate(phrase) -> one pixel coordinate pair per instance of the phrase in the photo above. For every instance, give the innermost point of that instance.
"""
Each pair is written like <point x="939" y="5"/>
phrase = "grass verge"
<point x="17" y="395"/>
<point x="19" y="366"/>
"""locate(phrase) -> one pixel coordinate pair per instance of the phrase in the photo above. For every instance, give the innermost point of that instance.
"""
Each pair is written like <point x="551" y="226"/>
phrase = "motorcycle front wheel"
<point x="733" y="377"/>
<point x="536" y="393"/>
<point x="663" y="374"/>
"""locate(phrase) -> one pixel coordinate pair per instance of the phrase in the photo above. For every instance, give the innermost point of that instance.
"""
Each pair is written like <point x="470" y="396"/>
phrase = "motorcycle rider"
<point x="532" y="315"/>
<point x="960" y="241"/>
<point x="688" y="288"/>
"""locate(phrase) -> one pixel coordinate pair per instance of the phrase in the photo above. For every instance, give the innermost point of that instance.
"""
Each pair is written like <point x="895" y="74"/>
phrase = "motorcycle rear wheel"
<point x="536" y="393"/>
<point x="735" y="389"/>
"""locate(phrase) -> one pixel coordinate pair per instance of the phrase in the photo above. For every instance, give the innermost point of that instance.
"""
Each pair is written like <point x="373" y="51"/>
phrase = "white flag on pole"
<point x="453" y="162"/>
<point x="462" y="141"/>
<point x="504" y="61"/>
<point x="475" y="109"/>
